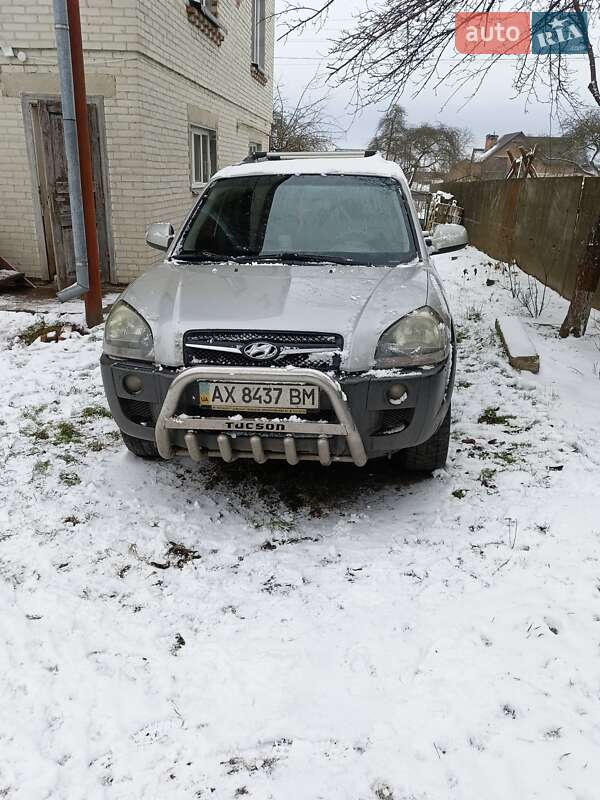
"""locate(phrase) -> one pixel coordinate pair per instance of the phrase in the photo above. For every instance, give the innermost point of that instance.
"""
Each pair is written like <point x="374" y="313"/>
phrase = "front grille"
<point x="395" y="421"/>
<point x="196" y="352"/>
<point x="137" y="411"/>
<point x="291" y="338"/>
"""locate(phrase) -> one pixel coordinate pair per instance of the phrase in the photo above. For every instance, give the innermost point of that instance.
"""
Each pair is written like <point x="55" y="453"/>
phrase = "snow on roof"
<point x="371" y="165"/>
<point x="483" y="155"/>
<point x="557" y="146"/>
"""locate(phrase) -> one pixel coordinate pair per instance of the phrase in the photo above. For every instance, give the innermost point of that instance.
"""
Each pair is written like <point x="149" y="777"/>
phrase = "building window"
<point x="254" y="147"/>
<point x="259" y="24"/>
<point x="204" y="155"/>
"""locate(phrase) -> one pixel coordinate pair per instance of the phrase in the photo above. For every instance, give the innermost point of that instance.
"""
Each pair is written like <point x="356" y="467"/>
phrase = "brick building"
<point x="176" y="89"/>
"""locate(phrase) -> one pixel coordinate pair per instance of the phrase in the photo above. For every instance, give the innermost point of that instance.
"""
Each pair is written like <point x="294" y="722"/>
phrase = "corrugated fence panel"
<point x="543" y="224"/>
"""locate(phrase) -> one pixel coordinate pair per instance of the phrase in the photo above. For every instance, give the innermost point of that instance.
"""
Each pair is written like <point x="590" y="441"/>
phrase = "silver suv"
<point x="297" y="315"/>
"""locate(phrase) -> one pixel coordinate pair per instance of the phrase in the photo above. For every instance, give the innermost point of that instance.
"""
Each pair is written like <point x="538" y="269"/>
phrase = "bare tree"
<point x="391" y="129"/>
<point x="418" y="148"/>
<point x="303" y="126"/>
<point x="399" y="44"/>
<point x="583" y="133"/>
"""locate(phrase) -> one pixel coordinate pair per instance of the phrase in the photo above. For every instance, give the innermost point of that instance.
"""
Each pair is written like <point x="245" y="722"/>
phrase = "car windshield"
<point x="350" y="219"/>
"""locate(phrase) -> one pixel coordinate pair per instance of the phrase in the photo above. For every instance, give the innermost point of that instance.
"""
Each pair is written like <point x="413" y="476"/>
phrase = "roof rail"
<point x="285" y="156"/>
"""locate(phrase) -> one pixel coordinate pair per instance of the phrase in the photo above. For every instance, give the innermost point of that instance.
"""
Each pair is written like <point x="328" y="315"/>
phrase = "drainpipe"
<point x="93" y="299"/>
<point x="65" y="76"/>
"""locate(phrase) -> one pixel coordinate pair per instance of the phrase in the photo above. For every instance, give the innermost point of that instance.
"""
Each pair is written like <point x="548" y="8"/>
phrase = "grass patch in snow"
<point x="41" y="467"/>
<point x="70" y="478"/>
<point x="178" y="644"/>
<point x="237" y="764"/>
<point x="39" y="433"/>
<point x="491" y="417"/>
<point x="383" y="792"/>
<point x="34" y="412"/>
<point x="555" y="733"/>
<point x="460" y="494"/>
<point x="66" y="433"/>
<point x="474" y="313"/>
<point x="507" y="457"/>
<point x="486" y="478"/>
<point x="96" y="412"/>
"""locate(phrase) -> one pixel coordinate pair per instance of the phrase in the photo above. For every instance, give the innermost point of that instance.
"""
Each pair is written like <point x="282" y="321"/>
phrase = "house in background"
<point x="555" y="157"/>
<point x="176" y="90"/>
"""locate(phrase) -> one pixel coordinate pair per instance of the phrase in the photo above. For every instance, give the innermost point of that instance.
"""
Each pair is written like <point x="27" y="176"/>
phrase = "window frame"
<point x="209" y="136"/>
<point x="254" y="147"/>
<point x="259" y="34"/>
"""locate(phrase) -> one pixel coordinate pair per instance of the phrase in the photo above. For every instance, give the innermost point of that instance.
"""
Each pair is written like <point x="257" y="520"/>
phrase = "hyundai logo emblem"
<point x="261" y="351"/>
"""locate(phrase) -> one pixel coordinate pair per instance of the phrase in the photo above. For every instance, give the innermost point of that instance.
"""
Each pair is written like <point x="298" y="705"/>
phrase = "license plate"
<point x="288" y="398"/>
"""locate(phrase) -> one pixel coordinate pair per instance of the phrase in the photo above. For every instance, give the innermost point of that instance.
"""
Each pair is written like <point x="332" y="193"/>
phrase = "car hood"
<point x="358" y="302"/>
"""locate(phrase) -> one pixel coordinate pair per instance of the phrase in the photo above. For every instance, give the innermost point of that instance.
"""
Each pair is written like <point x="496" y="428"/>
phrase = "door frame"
<point x="27" y="101"/>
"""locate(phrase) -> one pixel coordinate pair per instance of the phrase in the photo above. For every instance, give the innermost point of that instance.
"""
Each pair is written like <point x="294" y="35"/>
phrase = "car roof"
<point x="371" y="165"/>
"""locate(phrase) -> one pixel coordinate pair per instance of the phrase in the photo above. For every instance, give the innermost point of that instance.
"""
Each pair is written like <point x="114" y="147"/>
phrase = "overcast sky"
<point x="495" y="109"/>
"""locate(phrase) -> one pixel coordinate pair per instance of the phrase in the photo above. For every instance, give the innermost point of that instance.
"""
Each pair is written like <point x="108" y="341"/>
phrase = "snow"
<point x="177" y="631"/>
<point x="443" y="195"/>
<point x="374" y="165"/>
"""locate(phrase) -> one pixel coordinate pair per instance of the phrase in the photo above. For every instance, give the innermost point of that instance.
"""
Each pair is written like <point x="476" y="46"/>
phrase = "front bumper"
<point x="356" y="421"/>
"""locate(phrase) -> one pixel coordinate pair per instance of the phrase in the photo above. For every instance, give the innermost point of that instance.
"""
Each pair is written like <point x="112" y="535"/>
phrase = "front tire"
<point x="430" y="455"/>
<point x="140" y="447"/>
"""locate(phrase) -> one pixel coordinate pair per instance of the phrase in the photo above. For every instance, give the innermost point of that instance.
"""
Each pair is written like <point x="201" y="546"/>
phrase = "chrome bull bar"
<point x="228" y="430"/>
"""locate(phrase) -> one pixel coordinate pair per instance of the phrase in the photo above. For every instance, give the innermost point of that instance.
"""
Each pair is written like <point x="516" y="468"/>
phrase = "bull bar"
<point x="169" y="421"/>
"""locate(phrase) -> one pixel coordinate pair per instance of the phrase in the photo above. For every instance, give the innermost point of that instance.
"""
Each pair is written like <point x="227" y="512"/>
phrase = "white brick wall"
<point x="164" y="69"/>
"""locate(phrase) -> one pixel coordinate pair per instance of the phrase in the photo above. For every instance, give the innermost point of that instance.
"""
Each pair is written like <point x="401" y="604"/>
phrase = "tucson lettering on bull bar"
<point x="271" y="427"/>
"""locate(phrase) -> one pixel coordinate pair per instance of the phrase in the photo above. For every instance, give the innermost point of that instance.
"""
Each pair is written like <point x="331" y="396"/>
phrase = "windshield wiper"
<point x="197" y="256"/>
<point x="309" y="258"/>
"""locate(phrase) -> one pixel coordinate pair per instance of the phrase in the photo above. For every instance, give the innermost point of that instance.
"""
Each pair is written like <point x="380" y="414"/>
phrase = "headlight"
<point x="421" y="338"/>
<point x="127" y="334"/>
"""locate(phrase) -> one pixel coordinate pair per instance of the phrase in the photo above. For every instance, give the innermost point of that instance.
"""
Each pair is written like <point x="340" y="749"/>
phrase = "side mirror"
<point x="160" y="235"/>
<point x="448" y="236"/>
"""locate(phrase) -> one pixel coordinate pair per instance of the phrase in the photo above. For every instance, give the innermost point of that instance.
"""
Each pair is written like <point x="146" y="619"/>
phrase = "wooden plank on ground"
<point x="518" y="345"/>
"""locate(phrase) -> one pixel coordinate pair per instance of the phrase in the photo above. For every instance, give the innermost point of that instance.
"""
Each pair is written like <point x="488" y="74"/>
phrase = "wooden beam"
<point x="519" y="348"/>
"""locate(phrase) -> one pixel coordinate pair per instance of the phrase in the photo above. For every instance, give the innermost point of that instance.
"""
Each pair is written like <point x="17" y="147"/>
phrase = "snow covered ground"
<point x="169" y="631"/>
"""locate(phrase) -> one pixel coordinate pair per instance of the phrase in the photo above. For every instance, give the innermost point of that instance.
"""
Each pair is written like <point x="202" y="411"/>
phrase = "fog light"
<point x="397" y="394"/>
<point x="133" y="384"/>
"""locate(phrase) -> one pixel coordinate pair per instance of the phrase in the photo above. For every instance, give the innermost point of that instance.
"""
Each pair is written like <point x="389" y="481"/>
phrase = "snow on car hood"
<point x="355" y="301"/>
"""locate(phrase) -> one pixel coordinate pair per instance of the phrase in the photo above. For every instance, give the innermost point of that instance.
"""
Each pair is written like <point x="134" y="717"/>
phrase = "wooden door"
<point x="57" y="217"/>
